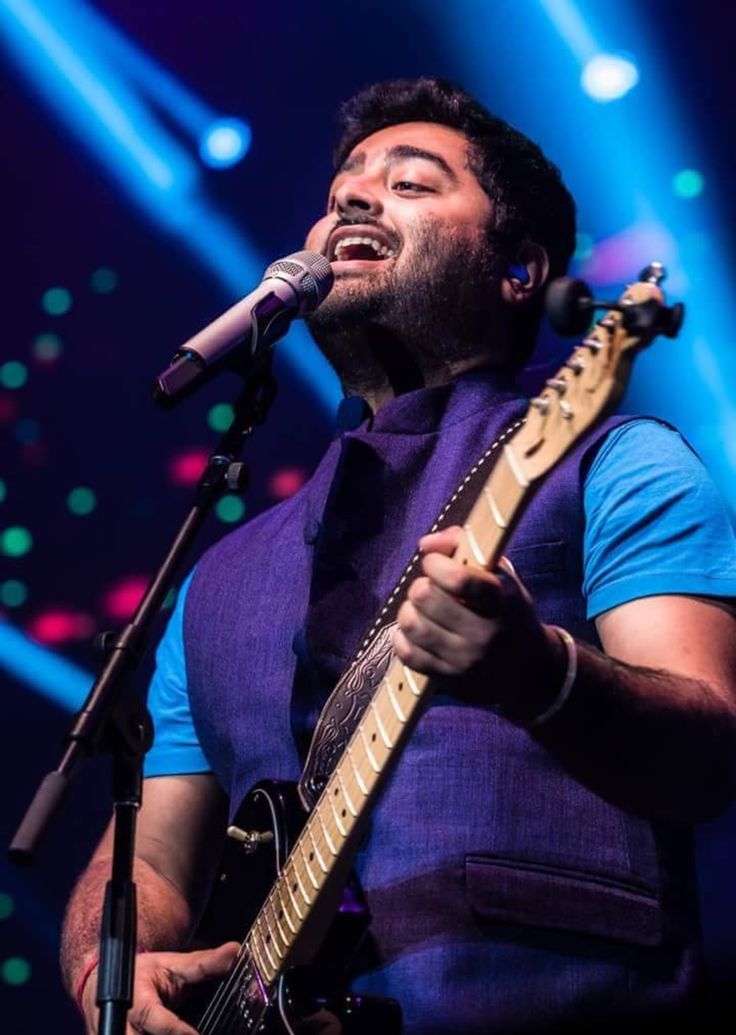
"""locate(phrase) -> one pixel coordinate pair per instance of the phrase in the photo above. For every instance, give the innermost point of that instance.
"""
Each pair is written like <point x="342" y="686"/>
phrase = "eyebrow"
<point x="396" y="154"/>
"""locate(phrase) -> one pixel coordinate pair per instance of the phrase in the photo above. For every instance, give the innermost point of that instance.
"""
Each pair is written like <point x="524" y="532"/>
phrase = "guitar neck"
<point x="329" y="832"/>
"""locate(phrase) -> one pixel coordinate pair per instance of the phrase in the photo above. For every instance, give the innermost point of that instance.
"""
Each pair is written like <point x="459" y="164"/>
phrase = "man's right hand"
<point x="160" y="978"/>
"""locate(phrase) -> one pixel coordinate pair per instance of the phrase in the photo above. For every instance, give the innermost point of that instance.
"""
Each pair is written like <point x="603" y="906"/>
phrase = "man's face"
<point x="398" y="196"/>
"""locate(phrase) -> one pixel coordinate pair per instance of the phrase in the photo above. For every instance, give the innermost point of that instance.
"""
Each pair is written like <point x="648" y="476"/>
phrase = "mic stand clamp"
<point x="114" y="720"/>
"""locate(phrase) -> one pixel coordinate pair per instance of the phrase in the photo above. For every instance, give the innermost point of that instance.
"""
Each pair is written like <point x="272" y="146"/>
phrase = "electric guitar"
<point x="295" y="863"/>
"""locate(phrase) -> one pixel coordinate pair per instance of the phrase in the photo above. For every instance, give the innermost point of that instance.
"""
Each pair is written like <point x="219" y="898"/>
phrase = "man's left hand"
<point x="479" y="631"/>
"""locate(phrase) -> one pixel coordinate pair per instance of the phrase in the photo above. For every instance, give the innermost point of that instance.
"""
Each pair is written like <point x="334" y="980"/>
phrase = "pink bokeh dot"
<point x="286" y="481"/>
<point x="186" y="468"/>
<point x="121" y="600"/>
<point x="61" y="626"/>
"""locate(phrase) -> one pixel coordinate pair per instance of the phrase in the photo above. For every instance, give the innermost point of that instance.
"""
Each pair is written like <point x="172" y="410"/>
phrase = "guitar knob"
<point x="250" y="839"/>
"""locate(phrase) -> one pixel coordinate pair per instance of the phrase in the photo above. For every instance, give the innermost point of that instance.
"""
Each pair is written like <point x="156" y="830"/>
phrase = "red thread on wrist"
<point x="81" y="984"/>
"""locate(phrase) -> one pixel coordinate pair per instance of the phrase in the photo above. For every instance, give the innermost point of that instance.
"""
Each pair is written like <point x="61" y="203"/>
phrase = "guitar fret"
<point x="314" y="883"/>
<point x="411" y="681"/>
<point x="495" y="512"/>
<point x="340" y="827"/>
<point x="282" y="936"/>
<point x="514" y="465"/>
<point x="379" y="725"/>
<point x="345" y="795"/>
<point x="359" y="779"/>
<point x="306" y="897"/>
<point x="264" y="946"/>
<point x="374" y="766"/>
<point x="328" y="839"/>
<point x="473" y="544"/>
<point x="292" y="897"/>
<point x="316" y="849"/>
<point x="394" y="703"/>
<point x="284" y="910"/>
<point x="256" y="956"/>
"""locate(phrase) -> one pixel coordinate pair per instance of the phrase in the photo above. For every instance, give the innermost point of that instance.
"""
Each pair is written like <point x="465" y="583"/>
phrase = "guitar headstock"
<point x="590" y="383"/>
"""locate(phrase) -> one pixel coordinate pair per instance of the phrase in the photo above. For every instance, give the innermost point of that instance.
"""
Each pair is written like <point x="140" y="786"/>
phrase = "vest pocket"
<point x="509" y="892"/>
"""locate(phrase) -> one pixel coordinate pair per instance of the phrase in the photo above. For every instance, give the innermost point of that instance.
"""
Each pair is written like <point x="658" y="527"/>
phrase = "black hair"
<point x="531" y="202"/>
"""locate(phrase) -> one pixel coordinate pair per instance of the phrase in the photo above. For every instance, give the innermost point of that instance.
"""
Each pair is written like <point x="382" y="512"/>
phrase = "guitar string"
<point x="227" y="991"/>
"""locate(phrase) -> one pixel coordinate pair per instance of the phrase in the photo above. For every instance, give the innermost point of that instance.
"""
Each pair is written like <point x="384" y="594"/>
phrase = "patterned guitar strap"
<point x="355" y="689"/>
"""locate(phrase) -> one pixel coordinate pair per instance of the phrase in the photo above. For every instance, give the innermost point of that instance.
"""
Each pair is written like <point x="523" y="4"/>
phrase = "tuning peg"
<point x="569" y="305"/>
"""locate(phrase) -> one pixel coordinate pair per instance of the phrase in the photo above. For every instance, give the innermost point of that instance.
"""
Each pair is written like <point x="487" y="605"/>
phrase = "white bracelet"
<point x="567" y="684"/>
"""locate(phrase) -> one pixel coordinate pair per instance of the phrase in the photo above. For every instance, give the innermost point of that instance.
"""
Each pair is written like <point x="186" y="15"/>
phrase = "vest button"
<point x="311" y="532"/>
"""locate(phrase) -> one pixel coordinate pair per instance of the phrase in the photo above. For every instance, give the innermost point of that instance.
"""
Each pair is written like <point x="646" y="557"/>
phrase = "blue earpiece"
<point x="519" y="272"/>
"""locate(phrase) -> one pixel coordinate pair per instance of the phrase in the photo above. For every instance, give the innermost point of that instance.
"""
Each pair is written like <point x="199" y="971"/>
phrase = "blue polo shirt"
<point x="655" y="524"/>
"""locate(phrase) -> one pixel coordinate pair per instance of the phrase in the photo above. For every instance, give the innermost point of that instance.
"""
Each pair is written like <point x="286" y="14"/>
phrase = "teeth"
<point x="379" y="249"/>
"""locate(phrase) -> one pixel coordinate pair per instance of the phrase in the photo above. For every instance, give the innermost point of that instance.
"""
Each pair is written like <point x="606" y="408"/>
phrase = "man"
<point x="529" y="863"/>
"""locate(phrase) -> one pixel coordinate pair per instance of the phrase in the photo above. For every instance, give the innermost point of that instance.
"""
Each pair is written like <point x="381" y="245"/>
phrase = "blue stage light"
<point x="224" y="142"/>
<point x="607" y="77"/>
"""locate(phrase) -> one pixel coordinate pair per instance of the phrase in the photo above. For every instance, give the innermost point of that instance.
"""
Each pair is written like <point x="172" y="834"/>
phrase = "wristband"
<point x="567" y="683"/>
<point x="81" y="984"/>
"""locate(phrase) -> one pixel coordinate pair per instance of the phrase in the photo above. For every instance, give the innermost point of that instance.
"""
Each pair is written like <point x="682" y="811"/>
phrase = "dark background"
<point x="85" y="418"/>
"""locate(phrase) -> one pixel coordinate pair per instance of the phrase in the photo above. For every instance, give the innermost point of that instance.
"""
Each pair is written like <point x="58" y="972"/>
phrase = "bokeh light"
<point x="81" y="501"/>
<point x="688" y="183"/>
<point x="124" y="596"/>
<point x="286" y="481"/>
<point x="7" y="905"/>
<point x="8" y="408"/>
<point x="16" y="541"/>
<point x="46" y="347"/>
<point x="220" y="416"/>
<point x="224" y="142"/>
<point x="104" y="280"/>
<point x="230" y="508"/>
<point x="56" y="301"/>
<point x="3" y="490"/>
<point x="60" y="625"/>
<point x="13" y="374"/>
<point x="13" y="593"/>
<point x="608" y="77"/>
<point x="15" y="971"/>
<point x="27" y="431"/>
<point x="186" y="468"/>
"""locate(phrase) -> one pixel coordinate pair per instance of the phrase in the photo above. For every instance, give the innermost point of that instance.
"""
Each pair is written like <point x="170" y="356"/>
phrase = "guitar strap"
<point x="354" y="690"/>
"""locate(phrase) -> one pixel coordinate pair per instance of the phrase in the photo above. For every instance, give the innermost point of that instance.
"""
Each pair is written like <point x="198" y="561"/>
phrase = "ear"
<point x="514" y="290"/>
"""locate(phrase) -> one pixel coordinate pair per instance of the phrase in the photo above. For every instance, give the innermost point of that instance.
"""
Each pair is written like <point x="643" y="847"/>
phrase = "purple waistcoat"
<point x="505" y="895"/>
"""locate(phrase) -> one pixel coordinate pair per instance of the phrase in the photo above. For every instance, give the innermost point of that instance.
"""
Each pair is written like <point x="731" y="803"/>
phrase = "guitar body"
<point x="310" y="997"/>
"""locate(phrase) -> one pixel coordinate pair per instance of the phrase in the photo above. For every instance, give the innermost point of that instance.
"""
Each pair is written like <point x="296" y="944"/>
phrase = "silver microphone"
<point x="291" y="287"/>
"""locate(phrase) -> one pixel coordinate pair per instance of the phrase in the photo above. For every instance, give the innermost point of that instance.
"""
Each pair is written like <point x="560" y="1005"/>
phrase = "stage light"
<point x="46" y="348"/>
<point x="15" y="971"/>
<point x="81" y="501"/>
<point x="13" y="593"/>
<point x="16" y="541"/>
<point x="13" y="374"/>
<point x="124" y="597"/>
<point x="187" y="468"/>
<point x="7" y="906"/>
<point x="56" y="301"/>
<point x="608" y="77"/>
<point x="61" y="626"/>
<point x="220" y="416"/>
<point x="224" y="142"/>
<point x="230" y="509"/>
<point x="286" y="482"/>
<point x="103" y="281"/>
<point x="688" y="183"/>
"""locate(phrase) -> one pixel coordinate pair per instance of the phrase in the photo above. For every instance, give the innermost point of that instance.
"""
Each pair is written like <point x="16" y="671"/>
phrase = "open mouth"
<point x="347" y="245"/>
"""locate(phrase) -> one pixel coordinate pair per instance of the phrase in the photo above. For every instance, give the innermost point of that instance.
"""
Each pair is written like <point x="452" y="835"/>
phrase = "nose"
<point x="355" y="198"/>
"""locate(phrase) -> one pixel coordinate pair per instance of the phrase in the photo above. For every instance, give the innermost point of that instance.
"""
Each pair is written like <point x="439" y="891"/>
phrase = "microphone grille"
<point x="312" y="273"/>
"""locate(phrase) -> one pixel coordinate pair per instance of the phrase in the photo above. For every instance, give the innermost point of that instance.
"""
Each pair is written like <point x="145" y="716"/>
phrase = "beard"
<point x="405" y="327"/>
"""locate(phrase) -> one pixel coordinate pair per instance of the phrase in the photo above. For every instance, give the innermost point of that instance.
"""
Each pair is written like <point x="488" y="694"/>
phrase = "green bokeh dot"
<point x="47" y="347"/>
<point x="170" y="599"/>
<point x="15" y="971"/>
<point x="3" y="490"/>
<point x="230" y="509"/>
<point x="16" y="541"/>
<point x="81" y="501"/>
<point x="56" y="301"/>
<point x="13" y="593"/>
<point x="688" y="183"/>
<point x="7" y="906"/>
<point x="13" y="374"/>
<point x="104" y="280"/>
<point x="220" y="416"/>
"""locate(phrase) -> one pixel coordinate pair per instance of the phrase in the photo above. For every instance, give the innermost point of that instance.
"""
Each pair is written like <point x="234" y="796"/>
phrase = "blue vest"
<point x="504" y="893"/>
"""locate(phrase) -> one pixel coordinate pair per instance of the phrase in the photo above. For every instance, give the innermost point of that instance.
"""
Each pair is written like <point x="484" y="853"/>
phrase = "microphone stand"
<point x="115" y="721"/>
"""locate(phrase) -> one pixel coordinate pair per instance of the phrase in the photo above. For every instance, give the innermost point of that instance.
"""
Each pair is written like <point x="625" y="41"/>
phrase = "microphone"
<point x="291" y="287"/>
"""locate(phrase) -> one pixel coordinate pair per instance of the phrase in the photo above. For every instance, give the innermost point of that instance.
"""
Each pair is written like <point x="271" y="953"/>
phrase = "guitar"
<point x="297" y="863"/>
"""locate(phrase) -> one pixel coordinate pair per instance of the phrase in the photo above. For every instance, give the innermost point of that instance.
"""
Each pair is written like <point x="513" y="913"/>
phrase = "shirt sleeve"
<point x="176" y="748"/>
<point x="655" y="523"/>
